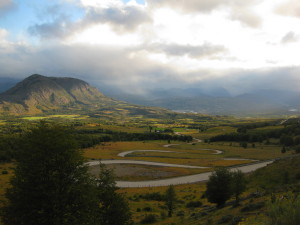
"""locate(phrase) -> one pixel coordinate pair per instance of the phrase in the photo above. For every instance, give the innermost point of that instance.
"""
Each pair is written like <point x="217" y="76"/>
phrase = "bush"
<point x="253" y="206"/>
<point x="284" y="211"/>
<point x="150" y="218"/>
<point x="180" y="213"/>
<point x="147" y="209"/>
<point x="155" y="196"/>
<point x="194" y="204"/>
<point x="230" y="220"/>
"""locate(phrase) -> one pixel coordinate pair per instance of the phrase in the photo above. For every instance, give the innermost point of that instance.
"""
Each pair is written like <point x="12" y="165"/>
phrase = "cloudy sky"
<point x="137" y="45"/>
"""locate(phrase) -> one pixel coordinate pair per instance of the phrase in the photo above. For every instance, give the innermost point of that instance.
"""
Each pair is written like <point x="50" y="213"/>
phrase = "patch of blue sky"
<point x="142" y="2"/>
<point x="30" y="12"/>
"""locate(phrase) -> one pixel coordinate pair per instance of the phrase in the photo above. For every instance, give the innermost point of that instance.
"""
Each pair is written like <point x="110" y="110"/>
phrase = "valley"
<point x="150" y="149"/>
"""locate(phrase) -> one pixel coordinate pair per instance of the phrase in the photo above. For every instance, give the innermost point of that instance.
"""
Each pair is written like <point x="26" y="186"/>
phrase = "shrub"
<point x="230" y="220"/>
<point x="284" y="211"/>
<point x="253" y="206"/>
<point x="180" y="213"/>
<point x="150" y="218"/>
<point x="155" y="196"/>
<point x="147" y="209"/>
<point x="194" y="204"/>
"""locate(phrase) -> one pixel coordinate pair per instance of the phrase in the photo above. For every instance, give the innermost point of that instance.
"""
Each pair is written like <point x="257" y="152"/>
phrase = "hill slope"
<point x="39" y="94"/>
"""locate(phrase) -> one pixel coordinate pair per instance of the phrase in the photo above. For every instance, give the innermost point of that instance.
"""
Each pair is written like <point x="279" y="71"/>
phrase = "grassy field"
<point x="6" y="171"/>
<point x="196" y="154"/>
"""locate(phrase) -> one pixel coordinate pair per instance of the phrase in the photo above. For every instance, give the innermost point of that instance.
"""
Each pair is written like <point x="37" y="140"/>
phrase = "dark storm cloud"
<point x="206" y="50"/>
<point x="239" y="10"/>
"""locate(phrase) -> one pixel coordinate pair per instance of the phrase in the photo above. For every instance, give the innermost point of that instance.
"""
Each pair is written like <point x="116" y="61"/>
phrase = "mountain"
<point x="39" y="94"/>
<point x="256" y="103"/>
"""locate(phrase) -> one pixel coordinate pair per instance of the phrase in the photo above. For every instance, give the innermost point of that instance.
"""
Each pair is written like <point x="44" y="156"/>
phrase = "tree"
<point x="286" y="140"/>
<point x="170" y="197"/>
<point x="218" y="187"/>
<point x="113" y="208"/>
<point x="51" y="185"/>
<point x="238" y="184"/>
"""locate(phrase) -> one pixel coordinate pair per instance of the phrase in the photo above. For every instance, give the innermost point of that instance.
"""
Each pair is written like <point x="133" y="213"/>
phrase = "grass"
<point x="5" y="178"/>
<point x="214" y="131"/>
<point x="131" y="172"/>
<point x="188" y="154"/>
<point x="184" y="193"/>
<point x="71" y="116"/>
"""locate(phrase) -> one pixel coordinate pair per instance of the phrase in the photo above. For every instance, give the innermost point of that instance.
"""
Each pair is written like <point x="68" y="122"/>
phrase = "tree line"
<point x="287" y="136"/>
<point x="89" y="138"/>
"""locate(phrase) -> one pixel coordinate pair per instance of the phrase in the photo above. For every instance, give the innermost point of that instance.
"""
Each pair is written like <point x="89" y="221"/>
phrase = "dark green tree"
<point x="218" y="187"/>
<point x="286" y="140"/>
<point x="113" y="207"/>
<point x="51" y="185"/>
<point x="170" y="198"/>
<point x="238" y="184"/>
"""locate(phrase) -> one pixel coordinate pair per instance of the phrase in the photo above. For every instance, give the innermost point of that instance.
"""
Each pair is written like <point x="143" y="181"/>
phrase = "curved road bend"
<point x="137" y="162"/>
<point x="186" y="179"/>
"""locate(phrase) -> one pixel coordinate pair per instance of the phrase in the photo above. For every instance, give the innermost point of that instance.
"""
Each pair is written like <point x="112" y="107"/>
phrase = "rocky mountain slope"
<point x="40" y="94"/>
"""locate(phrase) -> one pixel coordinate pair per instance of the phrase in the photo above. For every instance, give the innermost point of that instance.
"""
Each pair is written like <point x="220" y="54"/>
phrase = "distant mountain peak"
<point x="38" y="93"/>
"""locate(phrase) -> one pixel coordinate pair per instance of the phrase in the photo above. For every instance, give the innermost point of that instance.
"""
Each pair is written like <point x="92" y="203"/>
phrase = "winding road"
<point x="186" y="179"/>
<point x="176" y="180"/>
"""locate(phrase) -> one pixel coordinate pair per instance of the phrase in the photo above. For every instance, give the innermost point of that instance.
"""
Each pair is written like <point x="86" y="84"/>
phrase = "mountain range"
<point x="40" y="94"/>
<point x="220" y="102"/>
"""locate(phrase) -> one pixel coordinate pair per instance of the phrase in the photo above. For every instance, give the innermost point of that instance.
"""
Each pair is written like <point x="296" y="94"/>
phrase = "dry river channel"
<point x="175" y="180"/>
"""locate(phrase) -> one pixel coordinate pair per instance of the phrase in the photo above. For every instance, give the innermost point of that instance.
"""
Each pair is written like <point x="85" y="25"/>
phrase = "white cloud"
<point x="289" y="8"/>
<point x="242" y="11"/>
<point x="3" y="35"/>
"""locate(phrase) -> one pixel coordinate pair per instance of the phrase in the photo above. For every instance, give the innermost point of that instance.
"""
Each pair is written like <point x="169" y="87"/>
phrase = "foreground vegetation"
<point x="51" y="184"/>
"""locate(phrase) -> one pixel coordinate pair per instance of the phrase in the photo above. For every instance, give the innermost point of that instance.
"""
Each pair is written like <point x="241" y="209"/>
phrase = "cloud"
<point x="126" y="18"/>
<point x="5" y="6"/>
<point x="206" y="50"/>
<point x="190" y="6"/>
<point x="241" y="11"/>
<point x="59" y="28"/>
<point x="290" y="8"/>
<point x="3" y="34"/>
<point x="117" y="69"/>
<point x="289" y="37"/>
<point x="121" y="18"/>
<point x="246" y="16"/>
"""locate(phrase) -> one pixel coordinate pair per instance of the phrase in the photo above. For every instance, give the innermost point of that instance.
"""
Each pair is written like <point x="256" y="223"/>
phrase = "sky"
<point x="141" y="45"/>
